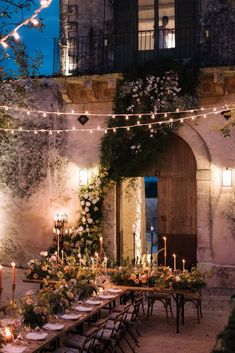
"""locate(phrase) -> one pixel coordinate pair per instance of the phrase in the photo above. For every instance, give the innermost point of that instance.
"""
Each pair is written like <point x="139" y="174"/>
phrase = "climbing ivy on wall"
<point x="26" y="157"/>
<point x="162" y="87"/>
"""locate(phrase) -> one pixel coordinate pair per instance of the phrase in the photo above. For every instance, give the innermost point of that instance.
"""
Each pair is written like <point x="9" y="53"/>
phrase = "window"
<point x="161" y="35"/>
<point x="166" y="23"/>
<point x="146" y="24"/>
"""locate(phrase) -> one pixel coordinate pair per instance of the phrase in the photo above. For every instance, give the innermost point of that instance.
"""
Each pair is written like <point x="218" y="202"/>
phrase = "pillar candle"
<point x="13" y="274"/>
<point x="62" y="256"/>
<point x="0" y="276"/>
<point x="101" y="246"/>
<point x="8" y="335"/>
<point x="174" y="255"/>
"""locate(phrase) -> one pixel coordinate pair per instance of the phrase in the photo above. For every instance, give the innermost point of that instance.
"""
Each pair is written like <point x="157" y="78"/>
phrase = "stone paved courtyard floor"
<point x="158" y="335"/>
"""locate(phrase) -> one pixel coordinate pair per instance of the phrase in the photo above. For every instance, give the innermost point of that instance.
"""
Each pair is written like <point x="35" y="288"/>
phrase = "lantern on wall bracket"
<point x="83" y="177"/>
<point x="227" y="177"/>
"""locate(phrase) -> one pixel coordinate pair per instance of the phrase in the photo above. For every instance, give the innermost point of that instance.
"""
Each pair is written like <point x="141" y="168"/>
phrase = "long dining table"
<point x="177" y="294"/>
<point x="53" y="338"/>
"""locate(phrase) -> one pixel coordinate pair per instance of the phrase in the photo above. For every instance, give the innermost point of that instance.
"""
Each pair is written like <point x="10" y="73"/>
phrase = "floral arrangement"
<point x="49" y="268"/>
<point x="131" y="277"/>
<point x="162" y="277"/>
<point x="192" y="280"/>
<point x="51" y="299"/>
<point x="33" y="312"/>
<point x="159" y="91"/>
<point x="84" y="239"/>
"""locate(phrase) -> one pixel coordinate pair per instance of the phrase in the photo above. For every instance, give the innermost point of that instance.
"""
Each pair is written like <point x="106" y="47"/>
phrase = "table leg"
<point x="177" y="312"/>
<point x="182" y="308"/>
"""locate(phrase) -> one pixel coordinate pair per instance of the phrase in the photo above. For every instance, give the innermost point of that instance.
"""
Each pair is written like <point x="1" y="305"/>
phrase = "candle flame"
<point x="13" y="264"/>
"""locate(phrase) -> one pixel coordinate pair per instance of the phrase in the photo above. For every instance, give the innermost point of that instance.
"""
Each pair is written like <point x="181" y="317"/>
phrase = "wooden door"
<point x="177" y="216"/>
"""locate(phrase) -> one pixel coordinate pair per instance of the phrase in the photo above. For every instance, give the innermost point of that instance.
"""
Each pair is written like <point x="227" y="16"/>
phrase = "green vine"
<point x="164" y="87"/>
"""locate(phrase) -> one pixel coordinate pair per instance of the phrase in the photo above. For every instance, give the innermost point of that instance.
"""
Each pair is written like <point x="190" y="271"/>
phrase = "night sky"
<point x="43" y="41"/>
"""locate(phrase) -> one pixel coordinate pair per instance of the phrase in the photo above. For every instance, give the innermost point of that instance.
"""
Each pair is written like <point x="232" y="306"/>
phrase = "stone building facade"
<point x="30" y="216"/>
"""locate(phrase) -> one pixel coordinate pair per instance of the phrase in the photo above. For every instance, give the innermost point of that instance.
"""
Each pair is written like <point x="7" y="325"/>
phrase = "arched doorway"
<point x="177" y="205"/>
<point x="177" y="202"/>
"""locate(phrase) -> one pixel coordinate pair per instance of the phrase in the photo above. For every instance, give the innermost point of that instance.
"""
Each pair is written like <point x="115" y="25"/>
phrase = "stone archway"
<point x="203" y="179"/>
<point x="177" y="202"/>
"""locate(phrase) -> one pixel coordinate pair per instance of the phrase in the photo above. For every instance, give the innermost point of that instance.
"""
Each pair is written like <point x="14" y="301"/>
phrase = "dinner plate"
<point x="85" y="309"/>
<point x="36" y="336"/>
<point x="70" y="316"/>
<point x="106" y="296"/>
<point x="13" y="348"/>
<point x="53" y="327"/>
<point x="114" y="290"/>
<point x="93" y="302"/>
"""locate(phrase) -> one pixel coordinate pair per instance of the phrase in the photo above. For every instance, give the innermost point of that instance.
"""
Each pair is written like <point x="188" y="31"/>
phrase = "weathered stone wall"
<point x="81" y="19"/>
<point x="44" y="178"/>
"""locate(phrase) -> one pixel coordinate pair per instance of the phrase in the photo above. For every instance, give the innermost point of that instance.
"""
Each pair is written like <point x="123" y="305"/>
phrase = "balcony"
<point x="99" y="54"/>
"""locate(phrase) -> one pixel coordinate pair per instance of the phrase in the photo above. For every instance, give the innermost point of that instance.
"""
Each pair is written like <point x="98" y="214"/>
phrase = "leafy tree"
<point x="15" y="61"/>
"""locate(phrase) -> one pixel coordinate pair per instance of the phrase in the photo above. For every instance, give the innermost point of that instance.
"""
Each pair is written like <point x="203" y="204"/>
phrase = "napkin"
<point x="11" y="348"/>
<point x="70" y="316"/>
<point x="36" y="336"/>
<point x="53" y="327"/>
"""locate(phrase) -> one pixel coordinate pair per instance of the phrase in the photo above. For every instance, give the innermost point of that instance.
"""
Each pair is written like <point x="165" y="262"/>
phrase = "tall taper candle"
<point x="101" y="246"/>
<point x="13" y="274"/>
<point x="164" y="239"/>
<point x="183" y="261"/>
<point x="174" y="255"/>
<point x="0" y="276"/>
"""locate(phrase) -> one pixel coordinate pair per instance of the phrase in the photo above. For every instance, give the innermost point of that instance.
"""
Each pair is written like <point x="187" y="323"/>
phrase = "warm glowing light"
<point x="227" y="177"/>
<point x="83" y="177"/>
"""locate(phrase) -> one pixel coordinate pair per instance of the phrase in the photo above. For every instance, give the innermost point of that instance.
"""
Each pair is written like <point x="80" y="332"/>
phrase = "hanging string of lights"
<point x="30" y="20"/>
<point x="150" y="125"/>
<point x="45" y="113"/>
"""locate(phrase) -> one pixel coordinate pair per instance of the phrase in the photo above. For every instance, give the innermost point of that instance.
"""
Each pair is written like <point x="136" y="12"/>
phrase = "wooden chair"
<point x="164" y="298"/>
<point x="196" y="299"/>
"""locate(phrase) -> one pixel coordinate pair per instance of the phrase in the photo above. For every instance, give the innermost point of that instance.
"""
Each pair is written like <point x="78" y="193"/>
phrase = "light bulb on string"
<point x="16" y="35"/>
<point x="34" y="21"/>
<point x="5" y="45"/>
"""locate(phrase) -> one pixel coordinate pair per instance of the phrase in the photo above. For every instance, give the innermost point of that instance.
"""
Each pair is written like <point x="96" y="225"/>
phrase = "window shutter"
<point x="186" y="23"/>
<point x="125" y="33"/>
<point x="125" y="16"/>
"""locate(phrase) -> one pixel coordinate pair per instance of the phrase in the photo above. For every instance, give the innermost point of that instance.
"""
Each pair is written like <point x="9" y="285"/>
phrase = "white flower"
<point x="82" y="203"/>
<point x="94" y="201"/>
<point x="90" y="220"/>
<point x="29" y="293"/>
<point x="44" y="253"/>
<point x="86" y="209"/>
<point x="83" y="220"/>
<point x="88" y="204"/>
<point x="86" y="196"/>
<point x="80" y="228"/>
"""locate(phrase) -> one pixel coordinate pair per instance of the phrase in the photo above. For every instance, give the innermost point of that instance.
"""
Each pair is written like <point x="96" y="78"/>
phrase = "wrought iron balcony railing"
<point x="97" y="54"/>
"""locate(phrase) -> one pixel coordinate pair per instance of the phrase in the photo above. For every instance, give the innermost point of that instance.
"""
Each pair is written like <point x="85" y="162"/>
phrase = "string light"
<point x="32" y="19"/>
<point x="114" y="129"/>
<point x="126" y="116"/>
